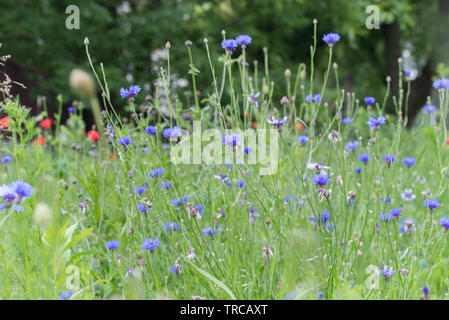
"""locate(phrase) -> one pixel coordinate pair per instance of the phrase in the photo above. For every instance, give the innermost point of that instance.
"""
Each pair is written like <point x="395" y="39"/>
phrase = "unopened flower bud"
<point x="43" y="215"/>
<point x="82" y="82"/>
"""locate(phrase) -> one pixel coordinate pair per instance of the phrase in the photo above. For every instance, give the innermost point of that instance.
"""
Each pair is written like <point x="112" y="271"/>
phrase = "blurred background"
<point x="129" y="37"/>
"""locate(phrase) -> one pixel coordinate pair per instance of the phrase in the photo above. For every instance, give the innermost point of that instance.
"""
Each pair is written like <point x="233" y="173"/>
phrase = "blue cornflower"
<point x="431" y="204"/>
<point x="142" y="208"/>
<point x="303" y="139"/>
<point x="112" y="245"/>
<point x="212" y="233"/>
<point x="165" y="185"/>
<point x="331" y="38"/>
<point x="240" y="183"/>
<point x="409" y="162"/>
<point x="387" y="217"/>
<point x="277" y="123"/>
<point x="178" y="202"/>
<point x="346" y="120"/>
<point x="156" y="173"/>
<point x="223" y="178"/>
<point x="324" y="220"/>
<point x="71" y="109"/>
<point x="8" y="195"/>
<point x="442" y="83"/>
<point x="150" y="130"/>
<point x="352" y="146"/>
<point x="6" y="159"/>
<point x="66" y="295"/>
<point x="247" y="150"/>
<point x="363" y="157"/>
<point x="254" y="99"/>
<point x="425" y="290"/>
<point x="131" y="93"/>
<point x="444" y="222"/>
<point x="207" y="231"/>
<point x="375" y="123"/>
<point x="316" y="98"/>
<point x="388" y="272"/>
<point x="370" y="100"/>
<point x="229" y="45"/>
<point x="149" y="244"/>
<point x="243" y="40"/>
<point x="358" y="170"/>
<point x="124" y="141"/>
<point x="231" y="140"/>
<point x="388" y="159"/>
<point x="429" y="108"/>
<point x="171" y="226"/>
<point x="320" y="180"/>
<point x="172" y="133"/>
<point x="22" y="189"/>
<point x="396" y="212"/>
<point x="324" y="217"/>
<point x="139" y="189"/>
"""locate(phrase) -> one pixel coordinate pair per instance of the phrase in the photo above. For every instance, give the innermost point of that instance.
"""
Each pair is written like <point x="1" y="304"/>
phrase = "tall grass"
<point x="279" y="236"/>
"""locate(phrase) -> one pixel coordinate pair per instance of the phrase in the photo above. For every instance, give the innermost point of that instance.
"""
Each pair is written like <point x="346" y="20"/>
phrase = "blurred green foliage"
<point x="124" y="35"/>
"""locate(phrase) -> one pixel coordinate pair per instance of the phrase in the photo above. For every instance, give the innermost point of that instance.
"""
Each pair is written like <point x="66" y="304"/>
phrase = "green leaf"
<point x="215" y="280"/>
<point x="83" y="234"/>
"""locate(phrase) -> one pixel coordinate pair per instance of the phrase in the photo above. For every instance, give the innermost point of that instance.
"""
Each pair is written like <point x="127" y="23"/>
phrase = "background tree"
<point x="125" y="36"/>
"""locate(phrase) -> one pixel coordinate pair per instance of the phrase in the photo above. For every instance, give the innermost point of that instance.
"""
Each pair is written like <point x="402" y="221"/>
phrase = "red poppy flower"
<point x="254" y="125"/>
<point x="447" y="141"/>
<point x="40" y="141"/>
<point x="112" y="156"/>
<point x="4" y="123"/>
<point x="93" y="135"/>
<point x="46" y="123"/>
<point x="299" y="126"/>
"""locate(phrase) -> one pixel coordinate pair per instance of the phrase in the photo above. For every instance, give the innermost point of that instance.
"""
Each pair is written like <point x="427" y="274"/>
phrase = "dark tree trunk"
<point x="393" y="52"/>
<point x="419" y="91"/>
